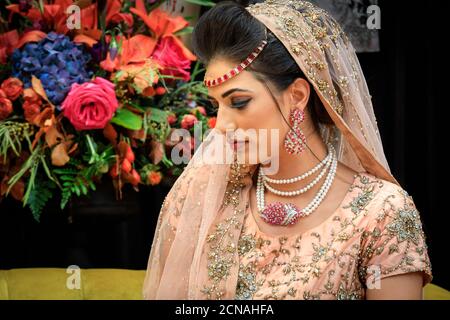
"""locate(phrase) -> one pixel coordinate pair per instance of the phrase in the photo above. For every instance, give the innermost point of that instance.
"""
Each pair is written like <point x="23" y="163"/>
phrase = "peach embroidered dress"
<point x="376" y="230"/>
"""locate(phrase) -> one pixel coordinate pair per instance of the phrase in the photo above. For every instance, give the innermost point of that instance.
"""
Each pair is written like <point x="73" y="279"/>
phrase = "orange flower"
<point x="163" y="25"/>
<point x="143" y="73"/>
<point x="159" y="21"/>
<point x="30" y="95"/>
<point x="154" y="178"/>
<point x="31" y="110"/>
<point x="12" y="87"/>
<point x="136" y="49"/>
<point x="212" y="122"/>
<point x="5" y="107"/>
<point x="54" y="15"/>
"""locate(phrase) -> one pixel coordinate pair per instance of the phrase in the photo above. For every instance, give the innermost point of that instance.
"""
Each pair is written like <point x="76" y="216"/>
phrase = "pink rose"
<point x="188" y="121"/>
<point x="90" y="105"/>
<point x="172" y="58"/>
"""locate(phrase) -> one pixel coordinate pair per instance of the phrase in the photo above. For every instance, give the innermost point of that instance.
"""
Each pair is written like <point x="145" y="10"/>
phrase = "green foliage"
<point x="205" y="3"/>
<point x="127" y="119"/>
<point x="77" y="177"/>
<point x="12" y="134"/>
<point x="187" y="30"/>
<point x="156" y="124"/>
<point x="75" y="182"/>
<point x="39" y="196"/>
<point x="31" y="166"/>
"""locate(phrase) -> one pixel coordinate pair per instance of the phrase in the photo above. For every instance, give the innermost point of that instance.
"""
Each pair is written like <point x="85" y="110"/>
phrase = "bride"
<point x="319" y="217"/>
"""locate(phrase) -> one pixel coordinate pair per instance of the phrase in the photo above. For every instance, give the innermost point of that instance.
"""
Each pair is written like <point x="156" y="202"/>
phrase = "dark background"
<point x="406" y="80"/>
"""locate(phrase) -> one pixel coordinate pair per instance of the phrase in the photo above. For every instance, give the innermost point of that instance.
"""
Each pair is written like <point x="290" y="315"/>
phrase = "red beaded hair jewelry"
<point x="236" y="70"/>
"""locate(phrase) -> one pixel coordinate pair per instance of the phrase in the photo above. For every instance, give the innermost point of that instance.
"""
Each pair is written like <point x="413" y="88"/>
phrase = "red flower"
<point x="8" y="42"/>
<point x="129" y="154"/>
<point x="160" y="90"/>
<point x="5" y="106"/>
<point x="126" y="165"/>
<point x="13" y="88"/>
<point x="31" y="110"/>
<point x="154" y="178"/>
<point x="135" y="178"/>
<point x="90" y="105"/>
<point x="188" y="121"/>
<point x="171" y="56"/>
<point x="172" y="118"/>
<point x="212" y="122"/>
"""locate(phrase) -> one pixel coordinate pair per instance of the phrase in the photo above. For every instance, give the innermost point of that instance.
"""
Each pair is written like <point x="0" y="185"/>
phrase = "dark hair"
<point x="229" y="31"/>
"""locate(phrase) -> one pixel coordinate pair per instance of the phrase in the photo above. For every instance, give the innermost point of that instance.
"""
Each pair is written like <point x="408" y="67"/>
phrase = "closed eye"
<point x="240" y="103"/>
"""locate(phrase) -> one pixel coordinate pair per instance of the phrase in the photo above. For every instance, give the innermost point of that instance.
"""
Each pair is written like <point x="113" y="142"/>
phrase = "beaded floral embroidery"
<point x="378" y="220"/>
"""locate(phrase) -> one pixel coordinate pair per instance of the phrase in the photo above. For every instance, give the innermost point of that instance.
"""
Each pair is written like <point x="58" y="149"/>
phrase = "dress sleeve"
<point x="165" y="233"/>
<point x="394" y="242"/>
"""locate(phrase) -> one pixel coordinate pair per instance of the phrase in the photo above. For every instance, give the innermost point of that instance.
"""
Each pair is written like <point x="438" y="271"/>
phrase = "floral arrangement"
<point x="93" y="93"/>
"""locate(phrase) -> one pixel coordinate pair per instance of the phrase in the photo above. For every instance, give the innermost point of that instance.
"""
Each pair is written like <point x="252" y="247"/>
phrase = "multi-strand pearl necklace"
<point x="287" y="213"/>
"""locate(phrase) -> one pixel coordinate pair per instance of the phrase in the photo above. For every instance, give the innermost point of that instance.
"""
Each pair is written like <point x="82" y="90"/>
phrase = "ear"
<point x="298" y="94"/>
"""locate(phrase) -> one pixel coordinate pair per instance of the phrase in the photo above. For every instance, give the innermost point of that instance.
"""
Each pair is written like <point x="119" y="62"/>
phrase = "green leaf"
<point x="202" y="2"/>
<point x="187" y="30"/>
<point x="127" y="119"/>
<point x="39" y="196"/>
<point x="158" y="115"/>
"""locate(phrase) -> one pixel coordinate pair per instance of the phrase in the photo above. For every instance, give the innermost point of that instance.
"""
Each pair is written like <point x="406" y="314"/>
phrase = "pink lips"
<point x="237" y="144"/>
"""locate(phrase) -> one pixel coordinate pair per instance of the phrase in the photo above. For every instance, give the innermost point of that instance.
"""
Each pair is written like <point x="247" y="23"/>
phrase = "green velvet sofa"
<point x="97" y="284"/>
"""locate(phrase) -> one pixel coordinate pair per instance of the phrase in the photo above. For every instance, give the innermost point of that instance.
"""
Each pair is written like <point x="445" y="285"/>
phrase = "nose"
<point x="225" y="121"/>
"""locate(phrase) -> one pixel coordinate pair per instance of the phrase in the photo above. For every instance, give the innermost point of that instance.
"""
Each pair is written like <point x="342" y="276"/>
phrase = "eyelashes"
<point x="236" y="104"/>
<point x="241" y="104"/>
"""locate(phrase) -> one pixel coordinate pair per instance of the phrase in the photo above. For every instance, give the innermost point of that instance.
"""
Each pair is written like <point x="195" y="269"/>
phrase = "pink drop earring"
<point x="295" y="140"/>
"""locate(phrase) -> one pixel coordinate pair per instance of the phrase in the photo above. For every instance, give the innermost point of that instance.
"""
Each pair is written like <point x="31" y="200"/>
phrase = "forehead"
<point x="218" y="68"/>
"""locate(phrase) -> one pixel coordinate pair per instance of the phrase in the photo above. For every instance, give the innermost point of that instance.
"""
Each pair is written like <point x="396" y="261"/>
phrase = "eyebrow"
<point x="227" y="93"/>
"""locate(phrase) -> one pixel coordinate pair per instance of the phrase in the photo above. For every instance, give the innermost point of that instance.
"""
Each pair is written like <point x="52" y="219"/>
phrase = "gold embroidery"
<point x="319" y="37"/>
<point x="222" y="255"/>
<point x="301" y="266"/>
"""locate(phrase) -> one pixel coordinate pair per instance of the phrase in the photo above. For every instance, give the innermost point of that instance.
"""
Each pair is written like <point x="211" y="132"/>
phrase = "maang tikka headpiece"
<point x="238" y="69"/>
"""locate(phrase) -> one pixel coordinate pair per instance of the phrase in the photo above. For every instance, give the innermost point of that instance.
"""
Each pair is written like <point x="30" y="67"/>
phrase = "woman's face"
<point x="247" y="113"/>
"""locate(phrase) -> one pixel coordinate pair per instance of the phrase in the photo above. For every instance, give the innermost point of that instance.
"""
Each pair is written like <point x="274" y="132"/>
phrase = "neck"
<point x="293" y="165"/>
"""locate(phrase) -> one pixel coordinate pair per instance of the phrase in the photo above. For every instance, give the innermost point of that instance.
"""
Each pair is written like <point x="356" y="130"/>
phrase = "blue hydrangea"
<point x="56" y="61"/>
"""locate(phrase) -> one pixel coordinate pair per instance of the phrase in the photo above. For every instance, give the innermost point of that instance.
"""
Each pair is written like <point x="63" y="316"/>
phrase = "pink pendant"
<point x="279" y="213"/>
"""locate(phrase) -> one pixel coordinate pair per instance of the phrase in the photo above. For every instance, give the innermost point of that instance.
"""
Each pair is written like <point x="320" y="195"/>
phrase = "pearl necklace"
<point x="304" y="189"/>
<point x="287" y="213"/>
<point x="304" y="175"/>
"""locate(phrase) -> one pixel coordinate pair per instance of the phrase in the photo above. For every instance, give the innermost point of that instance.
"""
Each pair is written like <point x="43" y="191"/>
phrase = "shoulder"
<point x="393" y="217"/>
<point x="392" y="236"/>
<point x="381" y="204"/>
<point x="378" y="192"/>
<point x="388" y="200"/>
